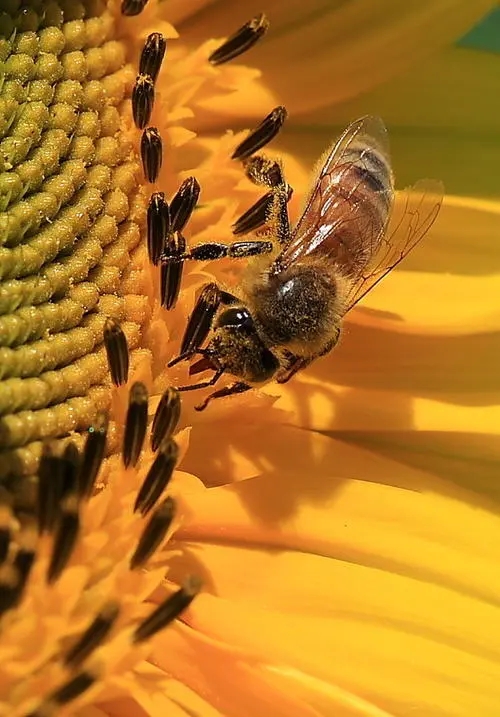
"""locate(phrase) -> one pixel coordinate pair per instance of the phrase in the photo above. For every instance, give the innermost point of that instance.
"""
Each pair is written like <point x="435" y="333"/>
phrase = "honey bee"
<point x="296" y="291"/>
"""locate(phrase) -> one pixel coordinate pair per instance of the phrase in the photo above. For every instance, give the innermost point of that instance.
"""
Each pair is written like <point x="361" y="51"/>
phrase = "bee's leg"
<point x="215" y="250"/>
<point x="294" y="363"/>
<point x="203" y="384"/>
<point x="231" y="390"/>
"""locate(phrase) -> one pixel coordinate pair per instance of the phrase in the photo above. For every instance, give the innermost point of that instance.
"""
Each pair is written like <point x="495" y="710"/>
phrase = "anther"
<point x="143" y="97"/>
<point x="136" y="424"/>
<point x="6" y="525"/>
<point x="130" y="8"/>
<point x="158" y="225"/>
<point x="168" y="611"/>
<point x="73" y="688"/>
<point x="166" y="417"/>
<point x="93" y="636"/>
<point x="261" y="135"/>
<point x="154" y="533"/>
<point x="65" y="538"/>
<point x="255" y="217"/>
<point x="25" y="556"/>
<point x="242" y="40"/>
<point x="200" y="321"/>
<point x="93" y="454"/>
<point x="49" y="489"/>
<point x="171" y="271"/>
<point x="158" y="477"/>
<point x="10" y="583"/>
<point x="116" y="347"/>
<point x="151" y="153"/>
<point x="183" y="204"/>
<point x="152" y="55"/>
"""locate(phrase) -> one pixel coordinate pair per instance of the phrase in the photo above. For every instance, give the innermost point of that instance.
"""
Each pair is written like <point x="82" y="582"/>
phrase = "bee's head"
<point x="237" y="346"/>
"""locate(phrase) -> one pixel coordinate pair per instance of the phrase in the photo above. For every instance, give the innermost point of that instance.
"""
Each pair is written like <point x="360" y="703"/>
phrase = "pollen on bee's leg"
<point x="265" y="171"/>
<point x="151" y="153"/>
<point x="93" y="454"/>
<point x="65" y="538"/>
<point x="171" y="271"/>
<point x="154" y="533"/>
<point x="184" y="203"/>
<point x="168" y="611"/>
<point x="158" y="226"/>
<point x="115" y="343"/>
<point x="262" y="134"/>
<point x="158" y="477"/>
<point x="136" y="424"/>
<point x="130" y="8"/>
<point x="152" y="55"/>
<point x="166" y="417"/>
<point x="143" y="97"/>
<point x="93" y="636"/>
<point x="243" y="39"/>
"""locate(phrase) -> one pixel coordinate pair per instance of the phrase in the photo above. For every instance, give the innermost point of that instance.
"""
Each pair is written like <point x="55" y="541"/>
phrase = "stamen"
<point x="242" y="40"/>
<point x="151" y="153"/>
<point x="158" y="221"/>
<point x="183" y="204"/>
<point x="136" y="424"/>
<point x="25" y="557"/>
<point x="261" y="170"/>
<point x="168" y="611"/>
<point x="130" y="8"/>
<point x="10" y="583"/>
<point x="261" y="135"/>
<point x="166" y="417"/>
<point x="65" y="539"/>
<point x="6" y="521"/>
<point x="200" y="321"/>
<point x="73" y="688"/>
<point x="171" y="272"/>
<point x="254" y="217"/>
<point x="93" y="636"/>
<point x="49" y="489"/>
<point x="93" y="454"/>
<point x="143" y="97"/>
<point x="152" y="55"/>
<point x="116" y="347"/>
<point x="70" y="469"/>
<point x="158" y="477"/>
<point x="154" y="533"/>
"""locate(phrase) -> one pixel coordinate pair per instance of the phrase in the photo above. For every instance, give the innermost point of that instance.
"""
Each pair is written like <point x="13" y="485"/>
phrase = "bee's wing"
<point x="326" y="209"/>
<point x="407" y="226"/>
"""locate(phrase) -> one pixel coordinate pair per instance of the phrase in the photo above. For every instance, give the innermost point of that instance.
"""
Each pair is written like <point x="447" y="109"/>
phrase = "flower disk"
<point x="72" y="214"/>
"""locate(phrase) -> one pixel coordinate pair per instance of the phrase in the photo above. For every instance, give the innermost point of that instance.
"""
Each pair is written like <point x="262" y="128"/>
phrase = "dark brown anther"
<point x="171" y="271"/>
<point x="264" y="171"/>
<point x="154" y="533"/>
<point x="157" y="477"/>
<point x="151" y="153"/>
<point x="50" y="478"/>
<point x="130" y="8"/>
<point x="136" y="424"/>
<point x="93" y="454"/>
<point x="65" y="538"/>
<point x="242" y="40"/>
<point x="168" y="611"/>
<point x="200" y="321"/>
<point x="70" y="469"/>
<point x="6" y="522"/>
<point x="10" y="587"/>
<point x="23" y="562"/>
<point x="73" y="688"/>
<point x="261" y="135"/>
<point x="93" y="636"/>
<point x="158" y="223"/>
<point x="115" y="343"/>
<point x="166" y="417"/>
<point x="143" y="98"/>
<point x="255" y="217"/>
<point x="152" y="55"/>
<point x="183" y="204"/>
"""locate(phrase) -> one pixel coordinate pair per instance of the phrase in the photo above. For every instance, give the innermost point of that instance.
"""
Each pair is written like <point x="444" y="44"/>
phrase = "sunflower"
<point x="324" y="548"/>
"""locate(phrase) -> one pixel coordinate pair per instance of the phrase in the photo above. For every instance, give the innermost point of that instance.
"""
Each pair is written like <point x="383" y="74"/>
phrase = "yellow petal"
<point x="319" y="53"/>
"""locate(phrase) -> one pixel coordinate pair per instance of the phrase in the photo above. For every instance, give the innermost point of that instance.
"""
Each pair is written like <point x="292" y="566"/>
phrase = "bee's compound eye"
<point x="238" y="318"/>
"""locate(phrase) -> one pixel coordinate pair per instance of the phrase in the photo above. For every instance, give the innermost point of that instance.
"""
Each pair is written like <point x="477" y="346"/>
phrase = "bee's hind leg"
<point x="293" y="363"/>
<point x="231" y="390"/>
